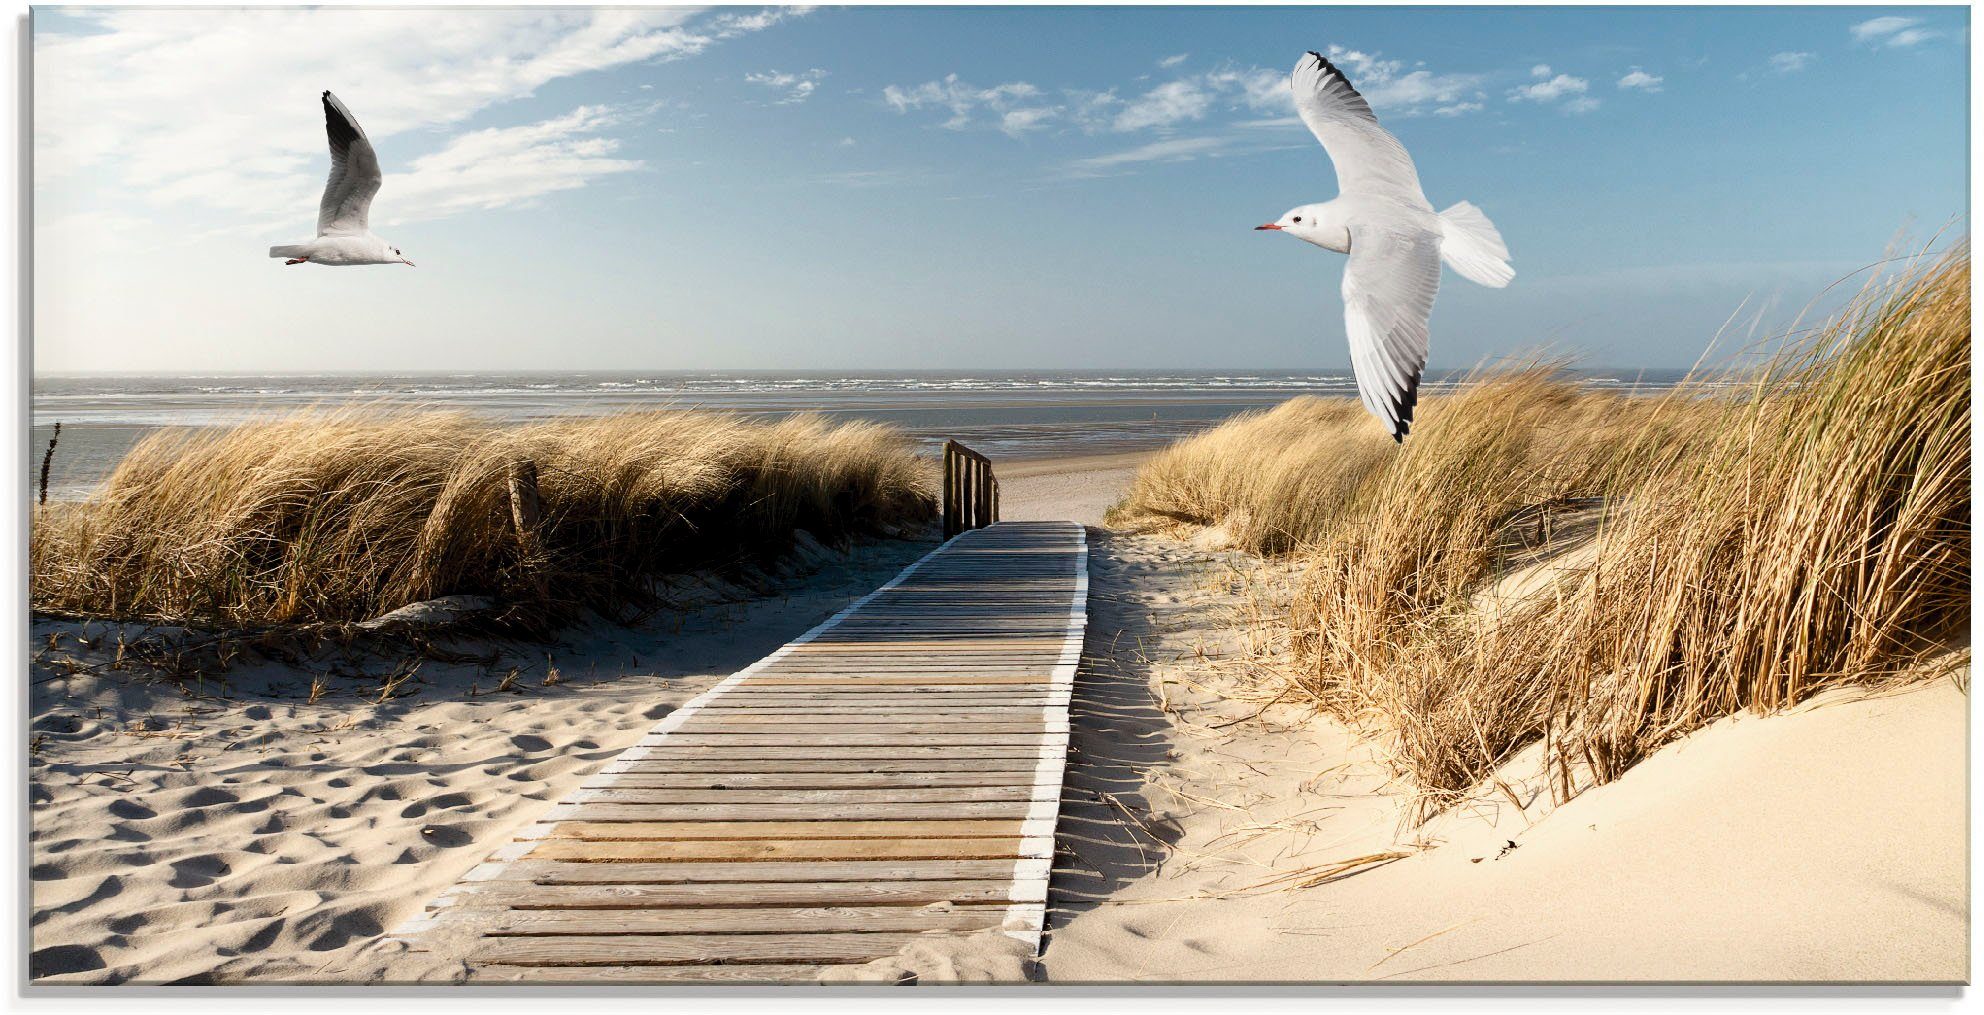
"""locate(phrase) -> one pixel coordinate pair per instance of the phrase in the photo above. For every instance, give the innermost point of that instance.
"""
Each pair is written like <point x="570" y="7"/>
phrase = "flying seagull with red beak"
<point x="1382" y="219"/>
<point x="343" y="237"/>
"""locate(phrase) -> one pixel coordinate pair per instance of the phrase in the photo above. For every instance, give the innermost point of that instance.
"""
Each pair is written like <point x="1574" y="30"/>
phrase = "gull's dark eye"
<point x="1298" y="218"/>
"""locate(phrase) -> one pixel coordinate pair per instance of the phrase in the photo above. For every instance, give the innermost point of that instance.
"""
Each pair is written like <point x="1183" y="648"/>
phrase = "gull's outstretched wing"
<point x="1388" y="291"/>
<point x="354" y="173"/>
<point x="1369" y="160"/>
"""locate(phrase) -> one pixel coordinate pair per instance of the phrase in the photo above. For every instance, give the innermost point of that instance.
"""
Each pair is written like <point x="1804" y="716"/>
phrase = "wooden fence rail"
<point x="971" y="492"/>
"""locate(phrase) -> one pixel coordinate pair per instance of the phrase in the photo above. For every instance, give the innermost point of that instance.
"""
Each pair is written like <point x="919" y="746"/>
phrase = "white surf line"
<point x="526" y="839"/>
<point x="1026" y="916"/>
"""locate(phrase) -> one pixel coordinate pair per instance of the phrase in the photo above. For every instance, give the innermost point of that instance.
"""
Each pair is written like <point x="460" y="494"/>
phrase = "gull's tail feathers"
<point x="286" y="251"/>
<point x="1469" y="242"/>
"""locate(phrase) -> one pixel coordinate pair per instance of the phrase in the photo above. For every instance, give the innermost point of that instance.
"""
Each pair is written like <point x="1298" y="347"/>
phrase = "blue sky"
<point x="957" y="187"/>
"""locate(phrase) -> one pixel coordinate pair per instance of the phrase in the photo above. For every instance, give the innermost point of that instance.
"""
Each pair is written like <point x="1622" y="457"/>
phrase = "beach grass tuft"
<point x="344" y="515"/>
<point x="1748" y="544"/>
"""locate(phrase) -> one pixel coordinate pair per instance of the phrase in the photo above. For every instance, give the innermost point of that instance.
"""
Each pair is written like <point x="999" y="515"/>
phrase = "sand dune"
<point x="1826" y="843"/>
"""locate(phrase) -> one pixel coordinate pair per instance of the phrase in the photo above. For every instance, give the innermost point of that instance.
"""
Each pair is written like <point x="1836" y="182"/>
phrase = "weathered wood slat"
<point x="626" y="791"/>
<point x="552" y="975"/>
<point x="803" y="782"/>
<point x="938" y="764"/>
<point x="514" y="896"/>
<point x="868" y="872"/>
<point x="964" y="828"/>
<point x="757" y="920"/>
<point x="588" y="811"/>
<point x="746" y="850"/>
<point x="687" y="949"/>
<point x="891" y="774"/>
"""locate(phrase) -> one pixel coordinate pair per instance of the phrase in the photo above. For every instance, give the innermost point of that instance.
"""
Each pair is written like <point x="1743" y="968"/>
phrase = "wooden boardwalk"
<point x="892" y="773"/>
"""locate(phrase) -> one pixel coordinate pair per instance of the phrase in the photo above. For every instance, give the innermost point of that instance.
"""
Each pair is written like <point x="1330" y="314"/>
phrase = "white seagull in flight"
<point x="342" y="234"/>
<point x="1383" y="221"/>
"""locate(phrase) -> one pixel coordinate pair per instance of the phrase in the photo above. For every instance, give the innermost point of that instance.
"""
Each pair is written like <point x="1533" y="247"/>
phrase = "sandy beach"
<point x="245" y="833"/>
<point x="1206" y="834"/>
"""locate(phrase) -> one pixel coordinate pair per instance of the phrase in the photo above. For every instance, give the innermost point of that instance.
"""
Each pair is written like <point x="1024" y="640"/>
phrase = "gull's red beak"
<point x="1270" y="225"/>
<point x="408" y="263"/>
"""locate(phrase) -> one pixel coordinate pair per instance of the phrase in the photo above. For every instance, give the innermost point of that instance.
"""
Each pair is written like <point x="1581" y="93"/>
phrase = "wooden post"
<point x="967" y="496"/>
<point x="971" y="491"/>
<point x="526" y="513"/>
<point x="982" y="504"/>
<point x="951" y="488"/>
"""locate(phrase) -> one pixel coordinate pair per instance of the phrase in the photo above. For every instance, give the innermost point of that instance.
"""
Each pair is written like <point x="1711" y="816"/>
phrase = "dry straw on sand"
<point x="341" y="516"/>
<point x="1808" y="529"/>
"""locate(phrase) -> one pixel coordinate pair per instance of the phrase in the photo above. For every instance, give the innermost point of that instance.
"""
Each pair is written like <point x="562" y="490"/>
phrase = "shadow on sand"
<point x="1108" y="835"/>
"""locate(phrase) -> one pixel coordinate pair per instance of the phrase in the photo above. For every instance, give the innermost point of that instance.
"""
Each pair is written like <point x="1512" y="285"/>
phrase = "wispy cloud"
<point x="1555" y="89"/>
<point x="504" y="166"/>
<point x="1019" y="107"/>
<point x="1892" y="31"/>
<point x="1174" y="60"/>
<point x="1639" y="80"/>
<point x="1170" y="150"/>
<point x="1791" y="62"/>
<point x="967" y="103"/>
<point x="793" y="87"/>
<point x="1396" y="88"/>
<point x="220" y="111"/>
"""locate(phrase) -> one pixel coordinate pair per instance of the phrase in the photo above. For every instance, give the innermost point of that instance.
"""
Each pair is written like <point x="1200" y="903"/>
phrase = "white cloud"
<point x="1637" y="79"/>
<point x="218" y="108"/>
<point x="797" y="87"/>
<point x="504" y="166"/>
<point x="1167" y="105"/>
<point x="1018" y="107"/>
<point x="1791" y="62"/>
<point x="1018" y="121"/>
<point x="1558" y="88"/>
<point x="1541" y="70"/>
<point x="1391" y="87"/>
<point x="1169" y="150"/>
<point x="1892" y="31"/>
<point x="966" y="101"/>
<point x="1174" y="60"/>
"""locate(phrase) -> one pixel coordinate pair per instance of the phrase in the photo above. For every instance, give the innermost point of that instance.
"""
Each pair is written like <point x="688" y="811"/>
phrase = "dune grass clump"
<point x="346" y="515"/>
<point x="1314" y="469"/>
<point x="1759" y="542"/>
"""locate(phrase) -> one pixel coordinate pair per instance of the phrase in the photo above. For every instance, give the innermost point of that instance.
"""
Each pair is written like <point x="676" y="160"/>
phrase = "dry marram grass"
<point x="345" y="515"/>
<point x="1758" y="543"/>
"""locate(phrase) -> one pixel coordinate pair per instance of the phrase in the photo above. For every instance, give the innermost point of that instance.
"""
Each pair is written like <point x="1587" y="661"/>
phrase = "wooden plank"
<point x="755" y="920"/>
<point x="553" y="975"/>
<point x="687" y="949"/>
<point x="783" y="830"/>
<point x="621" y="791"/>
<point x="529" y="896"/>
<point x="858" y="872"/>
<point x="1012" y="809"/>
<point x="939" y="764"/>
<point x="875" y="782"/>
<point x="748" y="850"/>
<point x="706" y="725"/>
<point x="840" y="754"/>
<point x="815" y="743"/>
